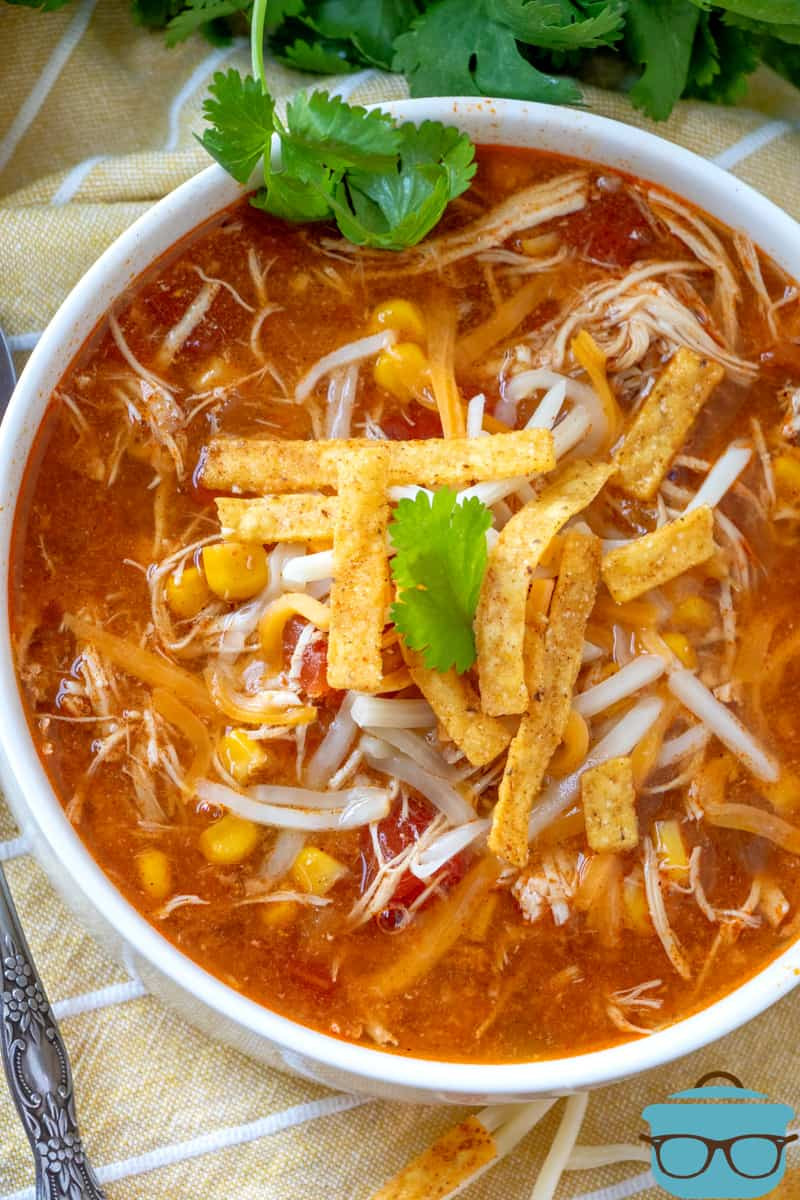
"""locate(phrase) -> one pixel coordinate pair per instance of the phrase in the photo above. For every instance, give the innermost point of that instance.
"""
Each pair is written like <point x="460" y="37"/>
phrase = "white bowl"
<point x="198" y="996"/>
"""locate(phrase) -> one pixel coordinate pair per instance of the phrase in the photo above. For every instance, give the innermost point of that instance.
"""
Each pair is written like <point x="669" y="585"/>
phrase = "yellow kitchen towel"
<point x="96" y="123"/>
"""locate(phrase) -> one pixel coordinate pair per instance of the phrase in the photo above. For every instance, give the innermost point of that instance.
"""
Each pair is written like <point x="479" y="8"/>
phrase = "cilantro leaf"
<point x="279" y="10"/>
<point x="324" y="128"/>
<point x="773" y="12"/>
<point x="241" y="116"/>
<point x="302" y="197"/>
<point x="722" y="58"/>
<point x="371" y="26"/>
<point x="439" y="566"/>
<point x="561" y="25"/>
<point x="783" y="58"/>
<point x="392" y="209"/>
<point x="202" y="16"/>
<point x="456" y="48"/>
<point x="660" y="35"/>
<point x="321" y="57"/>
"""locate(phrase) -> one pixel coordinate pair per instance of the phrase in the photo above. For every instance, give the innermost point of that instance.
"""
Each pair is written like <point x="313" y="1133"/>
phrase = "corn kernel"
<point x="230" y="840"/>
<point x="236" y="570"/>
<point x="682" y="648"/>
<point x="187" y="592"/>
<point x="278" y="914"/>
<point x="786" y="470"/>
<point x="695" y="612"/>
<point x="315" y="871"/>
<point x="404" y="316"/>
<point x="573" y="749"/>
<point x="155" y="873"/>
<point x="637" y="914"/>
<point x="402" y="370"/>
<point x="672" y="850"/>
<point x="241" y="755"/>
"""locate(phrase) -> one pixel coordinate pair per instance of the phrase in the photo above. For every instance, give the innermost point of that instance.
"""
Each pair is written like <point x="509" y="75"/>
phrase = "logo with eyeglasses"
<point x="713" y="1141"/>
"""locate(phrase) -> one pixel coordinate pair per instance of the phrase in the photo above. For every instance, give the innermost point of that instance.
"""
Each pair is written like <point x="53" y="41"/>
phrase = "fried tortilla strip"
<point x="542" y="729"/>
<point x="361" y="572"/>
<point x="446" y="1165"/>
<point x="458" y="708"/>
<point x="269" y="466"/>
<point x="609" y="806"/>
<point x="659" y="556"/>
<point x="299" y="518"/>
<point x="500" y="619"/>
<point x="663" y="422"/>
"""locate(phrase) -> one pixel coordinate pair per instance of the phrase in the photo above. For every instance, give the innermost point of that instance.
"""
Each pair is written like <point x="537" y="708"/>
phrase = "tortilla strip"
<point x="659" y="556"/>
<point x="609" y="806"/>
<point x="457" y="706"/>
<point x="542" y="729"/>
<point x="446" y="1165"/>
<point x="500" y="618"/>
<point x="298" y="518"/>
<point x="663" y="422"/>
<point x="268" y="466"/>
<point x="360" y="585"/>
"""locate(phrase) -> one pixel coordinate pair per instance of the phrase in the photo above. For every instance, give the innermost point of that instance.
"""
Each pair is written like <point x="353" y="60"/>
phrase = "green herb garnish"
<point x="384" y="184"/>
<point x="438" y="568"/>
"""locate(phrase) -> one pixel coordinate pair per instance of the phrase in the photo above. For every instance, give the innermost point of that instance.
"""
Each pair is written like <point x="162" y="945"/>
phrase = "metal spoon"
<point x="33" y="1052"/>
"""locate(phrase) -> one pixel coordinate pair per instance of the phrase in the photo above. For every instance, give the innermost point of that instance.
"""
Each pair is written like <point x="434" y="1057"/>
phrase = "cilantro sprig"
<point x="384" y="184"/>
<point x="438" y="569"/>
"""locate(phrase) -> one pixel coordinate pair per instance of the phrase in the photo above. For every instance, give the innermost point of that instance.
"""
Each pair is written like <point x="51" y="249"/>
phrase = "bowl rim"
<point x="651" y="158"/>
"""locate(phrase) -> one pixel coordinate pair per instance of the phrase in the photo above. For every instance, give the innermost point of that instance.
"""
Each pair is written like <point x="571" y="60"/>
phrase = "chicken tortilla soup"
<point x="411" y="637"/>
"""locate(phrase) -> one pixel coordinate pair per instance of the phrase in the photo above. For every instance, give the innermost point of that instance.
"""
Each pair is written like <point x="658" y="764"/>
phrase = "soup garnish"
<point x="410" y="636"/>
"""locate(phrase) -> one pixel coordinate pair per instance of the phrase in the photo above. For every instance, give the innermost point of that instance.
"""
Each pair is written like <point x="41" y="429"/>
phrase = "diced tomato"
<point x="313" y="678"/>
<point x="413" y="421"/>
<point x="611" y="229"/>
<point x="395" y="833"/>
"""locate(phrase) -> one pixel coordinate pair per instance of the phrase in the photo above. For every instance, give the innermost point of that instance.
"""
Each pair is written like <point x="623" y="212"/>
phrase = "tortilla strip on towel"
<point x="445" y="1166"/>
<point x="360" y="587"/>
<point x="542" y="729"/>
<point x="500" y="618"/>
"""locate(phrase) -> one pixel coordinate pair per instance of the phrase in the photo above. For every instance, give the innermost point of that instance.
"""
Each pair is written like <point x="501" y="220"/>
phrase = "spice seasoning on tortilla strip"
<point x="292" y="518"/>
<point x="445" y="1166"/>
<point x="542" y="729"/>
<point x="500" y="619"/>
<point x="269" y="466"/>
<point x="654" y="559"/>
<point x="457" y="706"/>
<point x="361" y="572"/>
<point x="662" y="423"/>
<point x="609" y="806"/>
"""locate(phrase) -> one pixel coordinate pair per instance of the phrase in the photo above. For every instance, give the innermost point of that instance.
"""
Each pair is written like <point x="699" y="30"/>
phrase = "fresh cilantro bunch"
<point x="656" y="50"/>
<point x="384" y="184"/>
<point x="438" y="568"/>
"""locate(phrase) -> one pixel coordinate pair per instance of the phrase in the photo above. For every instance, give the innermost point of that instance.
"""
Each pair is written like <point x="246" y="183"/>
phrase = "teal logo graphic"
<point x="716" y="1141"/>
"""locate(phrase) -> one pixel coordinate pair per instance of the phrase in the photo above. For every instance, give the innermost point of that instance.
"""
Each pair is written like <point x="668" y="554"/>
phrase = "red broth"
<point x="478" y="960"/>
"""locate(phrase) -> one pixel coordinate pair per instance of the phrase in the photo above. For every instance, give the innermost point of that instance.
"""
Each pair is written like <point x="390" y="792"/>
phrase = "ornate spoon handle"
<point x="38" y="1071"/>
